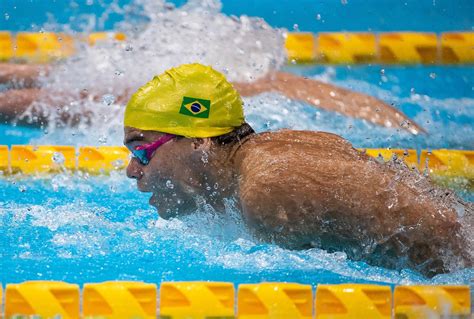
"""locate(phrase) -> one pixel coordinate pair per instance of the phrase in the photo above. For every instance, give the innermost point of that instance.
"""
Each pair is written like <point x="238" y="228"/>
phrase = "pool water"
<point x="82" y="228"/>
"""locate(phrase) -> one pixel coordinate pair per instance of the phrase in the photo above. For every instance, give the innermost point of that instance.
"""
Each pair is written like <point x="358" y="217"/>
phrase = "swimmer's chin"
<point x="165" y="214"/>
<point x="153" y="201"/>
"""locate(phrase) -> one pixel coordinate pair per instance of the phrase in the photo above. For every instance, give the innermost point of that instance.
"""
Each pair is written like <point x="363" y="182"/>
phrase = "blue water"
<point x="81" y="229"/>
<point x="60" y="229"/>
<point x="303" y="15"/>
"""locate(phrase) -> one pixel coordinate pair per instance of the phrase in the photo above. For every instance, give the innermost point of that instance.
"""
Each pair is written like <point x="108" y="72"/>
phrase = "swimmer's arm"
<point x="15" y="103"/>
<point x="331" y="98"/>
<point x="22" y="75"/>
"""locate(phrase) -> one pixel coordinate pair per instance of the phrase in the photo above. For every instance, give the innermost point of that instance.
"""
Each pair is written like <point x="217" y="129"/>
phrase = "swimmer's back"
<point x="306" y="187"/>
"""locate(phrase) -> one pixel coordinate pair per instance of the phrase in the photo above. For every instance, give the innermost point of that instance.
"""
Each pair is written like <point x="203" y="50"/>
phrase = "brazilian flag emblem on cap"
<point x="195" y="107"/>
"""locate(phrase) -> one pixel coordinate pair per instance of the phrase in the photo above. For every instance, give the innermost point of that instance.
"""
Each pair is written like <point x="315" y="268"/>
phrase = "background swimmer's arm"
<point x="14" y="103"/>
<point x="22" y="75"/>
<point x="331" y="98"/>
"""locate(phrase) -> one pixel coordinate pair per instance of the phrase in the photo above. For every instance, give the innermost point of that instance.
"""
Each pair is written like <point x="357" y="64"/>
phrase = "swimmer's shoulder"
<point x="272" y="159"/>
<point x="278" y="144"/>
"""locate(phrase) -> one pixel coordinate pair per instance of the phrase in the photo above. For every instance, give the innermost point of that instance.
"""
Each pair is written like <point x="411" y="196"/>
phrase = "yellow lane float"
<point x="457" y="47"/>
<point x="352" y="301"/>
<point x="47" y="299"/>
<point x="420" y="302"/>
<point x="119" y="300"/>
<point x="347" y="48"/>
<point x="43" y="47"/>
<point x="275" y="300"/>
<point x="102" y="159"/>
<point x="6" y="46"/>
<point x="29" y="159"/>
<point x="197" y="300"/>
<point x="408" y="47"/>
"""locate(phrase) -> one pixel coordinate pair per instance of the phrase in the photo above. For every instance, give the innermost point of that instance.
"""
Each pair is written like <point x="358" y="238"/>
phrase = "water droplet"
<point x="7" y="16"/>
<point x="169" y="184"/>
<point x="22" y="188"/>
<point x="108" y="99"/>
<point x="344" y="2"/>
<point x="405" y="124"/>
<point x="295" y="27"/>
<point x="318" y="17"/>
<point x="118" y="164"/>
<point x="58" y="158"/>
<point x="433" y="75"/>
<point x="102" y="139"/>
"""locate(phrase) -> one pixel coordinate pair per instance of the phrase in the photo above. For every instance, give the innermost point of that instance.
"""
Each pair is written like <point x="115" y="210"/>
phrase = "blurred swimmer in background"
<point x="23" y="78"/>
<point x="247" y="50"/>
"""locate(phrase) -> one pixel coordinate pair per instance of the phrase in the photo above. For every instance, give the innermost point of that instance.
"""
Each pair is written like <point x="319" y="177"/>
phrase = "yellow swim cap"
<point x="191" y="100"/>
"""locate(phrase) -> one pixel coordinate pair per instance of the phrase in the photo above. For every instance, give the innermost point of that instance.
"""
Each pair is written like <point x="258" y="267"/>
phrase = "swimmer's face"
<point x="172" y="174"/>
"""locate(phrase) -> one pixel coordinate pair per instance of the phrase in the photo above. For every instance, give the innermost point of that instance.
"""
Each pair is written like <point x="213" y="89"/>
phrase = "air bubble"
<point x="102" y="139"/>
<point x="58" y="158"/>
<point x="169" y="184"/>
<point x="108" y="99"/>
<point x="405" y="124"/>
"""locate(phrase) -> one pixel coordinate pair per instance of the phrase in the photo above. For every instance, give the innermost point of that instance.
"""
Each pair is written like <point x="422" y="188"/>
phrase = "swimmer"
<point x="297" y="189"/>
<point x="25" y="89"/>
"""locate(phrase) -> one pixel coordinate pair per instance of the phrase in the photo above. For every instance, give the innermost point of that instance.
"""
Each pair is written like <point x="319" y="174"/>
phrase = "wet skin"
<point x="302" y="189"/>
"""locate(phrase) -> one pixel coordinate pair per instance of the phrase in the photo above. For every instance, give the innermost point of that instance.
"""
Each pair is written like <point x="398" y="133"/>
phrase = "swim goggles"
<point x="144" y="152"/>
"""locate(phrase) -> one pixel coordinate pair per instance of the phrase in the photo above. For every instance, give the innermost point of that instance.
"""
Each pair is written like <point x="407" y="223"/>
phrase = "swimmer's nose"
<point x="134" y="170"/>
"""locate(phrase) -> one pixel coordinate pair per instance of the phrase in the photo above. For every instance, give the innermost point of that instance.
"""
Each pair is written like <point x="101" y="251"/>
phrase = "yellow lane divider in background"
<point x="43" y="47"/>
<point x="201" y="300"/>
<point x="324" y="47"/>
<point x="44" y="159"/>
<point x="385" y="48"/>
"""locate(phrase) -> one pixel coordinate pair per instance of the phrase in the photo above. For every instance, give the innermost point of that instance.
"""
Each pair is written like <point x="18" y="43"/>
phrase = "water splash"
<point x="123" y="236"/>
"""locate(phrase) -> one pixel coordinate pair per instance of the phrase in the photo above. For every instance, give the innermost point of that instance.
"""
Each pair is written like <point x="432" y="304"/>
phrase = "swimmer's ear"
<point x="202" y="144"/>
